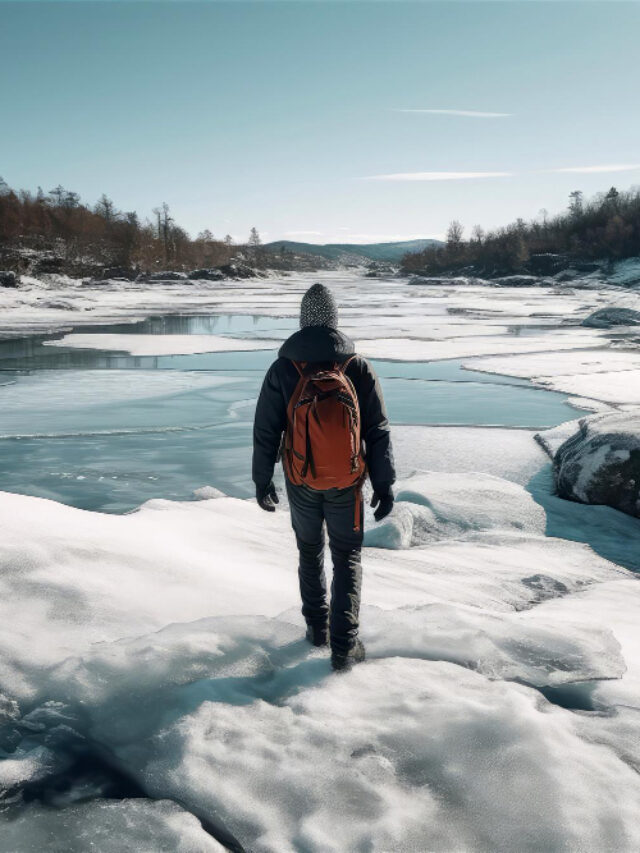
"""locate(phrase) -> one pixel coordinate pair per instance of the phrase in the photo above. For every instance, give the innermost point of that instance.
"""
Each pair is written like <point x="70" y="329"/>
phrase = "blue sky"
<point x="322" y="121"/>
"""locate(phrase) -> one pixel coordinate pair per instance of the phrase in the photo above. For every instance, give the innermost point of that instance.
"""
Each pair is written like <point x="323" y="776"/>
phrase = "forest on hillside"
<point x="606" y="226"/>
<point x="65" y="234"/>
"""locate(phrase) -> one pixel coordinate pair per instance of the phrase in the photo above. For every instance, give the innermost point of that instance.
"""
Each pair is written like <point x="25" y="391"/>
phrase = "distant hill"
<point x="390" y="252"/>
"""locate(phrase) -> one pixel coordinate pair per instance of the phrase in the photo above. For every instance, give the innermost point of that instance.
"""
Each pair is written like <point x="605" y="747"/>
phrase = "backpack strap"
<point x="299" y="366"/>
<point x="345" y="364"/>
<point x="308" y="462"/>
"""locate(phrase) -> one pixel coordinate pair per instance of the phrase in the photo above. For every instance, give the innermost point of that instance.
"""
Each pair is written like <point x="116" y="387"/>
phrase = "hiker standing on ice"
<point x="321" y="410"/>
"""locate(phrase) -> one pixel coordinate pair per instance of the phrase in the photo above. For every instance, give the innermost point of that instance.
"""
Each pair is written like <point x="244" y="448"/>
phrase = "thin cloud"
<point x="438" y="176"/>
<point x="593" y="170"/>
<point x="465" y="113"/>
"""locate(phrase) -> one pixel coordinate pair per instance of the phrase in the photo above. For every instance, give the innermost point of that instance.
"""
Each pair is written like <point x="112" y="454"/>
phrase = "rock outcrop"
<point x="9" y="279"/>
<point x="166" y="275"/>
<point x="599" y="463"/>
<point x="605" y="318"/>
<point x="214" y="274"/>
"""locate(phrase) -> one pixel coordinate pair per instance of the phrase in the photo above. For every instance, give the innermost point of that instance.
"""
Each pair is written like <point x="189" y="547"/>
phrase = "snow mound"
<point x="433" y="506"/>
<point x="599" y="462"/>
<point x="205" y="493"/>
<point x="500" y="646"/>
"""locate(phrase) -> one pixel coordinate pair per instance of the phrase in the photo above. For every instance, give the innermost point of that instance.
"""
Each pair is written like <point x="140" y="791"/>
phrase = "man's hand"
<point x="267" y="497"/>
<point x="384" y="502"/>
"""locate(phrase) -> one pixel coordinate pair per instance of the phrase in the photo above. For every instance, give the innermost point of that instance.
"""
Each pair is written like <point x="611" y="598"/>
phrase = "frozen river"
<point x="154" y="683"/>
<point x="106" y="431"/>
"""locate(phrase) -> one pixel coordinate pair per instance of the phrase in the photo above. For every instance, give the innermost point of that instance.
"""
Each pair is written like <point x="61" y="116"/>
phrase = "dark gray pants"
<point x="309" y="510"/>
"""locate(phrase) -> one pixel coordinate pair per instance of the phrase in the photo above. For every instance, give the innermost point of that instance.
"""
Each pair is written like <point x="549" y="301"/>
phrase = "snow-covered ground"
<point x="499" y="707"/>
<point x="169" y="640"/>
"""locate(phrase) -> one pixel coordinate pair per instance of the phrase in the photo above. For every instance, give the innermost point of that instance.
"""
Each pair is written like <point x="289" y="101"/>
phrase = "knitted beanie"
<point x="318" y="308"/>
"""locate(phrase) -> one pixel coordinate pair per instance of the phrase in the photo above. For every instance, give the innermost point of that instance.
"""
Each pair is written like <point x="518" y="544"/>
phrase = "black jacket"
<point x="320" y="344"/>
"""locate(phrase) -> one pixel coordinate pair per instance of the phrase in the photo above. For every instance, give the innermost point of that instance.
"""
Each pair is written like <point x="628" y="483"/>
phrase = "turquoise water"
<point x="67" y="435"/>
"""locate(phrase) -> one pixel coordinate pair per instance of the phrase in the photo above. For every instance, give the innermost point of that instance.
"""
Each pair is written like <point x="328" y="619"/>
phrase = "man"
<point x="320" y="385"/>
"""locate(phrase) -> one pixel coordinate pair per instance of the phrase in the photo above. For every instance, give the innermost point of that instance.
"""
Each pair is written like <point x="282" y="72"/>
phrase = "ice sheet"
<point x="509" y="453"/>
<point x="105" y="826"/>
<point x="162" y="344"/>
<point x="610" y="375"/>
<point x="587" y="361"/>
<point x="406" y="349"/>
<point x="621" y="386"/>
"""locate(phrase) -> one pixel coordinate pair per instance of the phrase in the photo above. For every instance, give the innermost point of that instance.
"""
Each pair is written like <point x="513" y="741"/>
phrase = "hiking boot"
<point x="318" y="633"/>
<point x="342" y="661"/>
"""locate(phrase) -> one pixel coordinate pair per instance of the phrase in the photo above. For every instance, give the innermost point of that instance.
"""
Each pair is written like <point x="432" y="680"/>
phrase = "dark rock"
<point x="9" y="279"/>
<point x="206" y="275"/>
<point x="517" y="281"/>
<point x="586" y="266"/>
<point x="438" y="281"/>
<point x="566" y="275"/>
<point x="605" y="318"/>
<point x="49" y="264"/>
<point x="600" y="462"/>
<point x="377" y="270"/>
<point x="236" y="270"/>
<point x="167" y="275"/>
<point x="126" y="273"/>
<point x="547" y="263"/>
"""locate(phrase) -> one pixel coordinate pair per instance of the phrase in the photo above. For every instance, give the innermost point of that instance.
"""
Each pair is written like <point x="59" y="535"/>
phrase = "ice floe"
<point x="610" y="375"/>
<point x="161" y="344"/>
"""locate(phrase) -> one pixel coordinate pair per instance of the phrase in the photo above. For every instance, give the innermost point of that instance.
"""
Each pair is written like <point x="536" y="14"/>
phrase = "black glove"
<point x="384" y="502"/>
<point x="267" y="497"/>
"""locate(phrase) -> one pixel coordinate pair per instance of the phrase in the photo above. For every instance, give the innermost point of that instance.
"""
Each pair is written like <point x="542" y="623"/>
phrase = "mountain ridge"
<point x="391" y="252"/>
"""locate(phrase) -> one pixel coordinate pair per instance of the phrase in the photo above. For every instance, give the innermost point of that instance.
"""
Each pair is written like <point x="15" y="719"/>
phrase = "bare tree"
<point x="454" y="233"/>
<point x="164" y="228"/>
<point x="477" y="234"/>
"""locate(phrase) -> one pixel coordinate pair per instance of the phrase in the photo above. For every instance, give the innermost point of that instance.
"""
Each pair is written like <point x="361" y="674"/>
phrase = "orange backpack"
<point x="322" y="446"/>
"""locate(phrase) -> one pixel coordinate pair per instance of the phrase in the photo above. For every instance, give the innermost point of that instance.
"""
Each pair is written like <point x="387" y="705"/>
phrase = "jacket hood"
<point x="317" y="343"/>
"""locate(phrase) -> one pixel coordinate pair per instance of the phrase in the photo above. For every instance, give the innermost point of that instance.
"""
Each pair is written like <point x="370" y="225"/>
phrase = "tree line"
<point x="87" y="236"/>
<point x="606" y="226"/>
